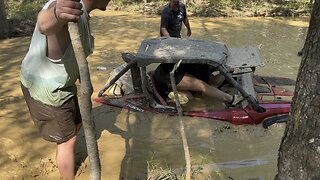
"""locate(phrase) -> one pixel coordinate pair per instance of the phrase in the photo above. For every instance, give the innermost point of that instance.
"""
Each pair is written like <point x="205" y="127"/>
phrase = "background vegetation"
<point x="215" y="8"/>
<point x="28" y="9"/>
<point x="22" y="14"/>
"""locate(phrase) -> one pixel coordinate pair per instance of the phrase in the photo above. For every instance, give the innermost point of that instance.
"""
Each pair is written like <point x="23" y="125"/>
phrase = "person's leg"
<point x="59" y="125"/>
<point x="216" y="80"/>
<point x="191" y="83"/>
<point x="65" y="158"/>
<point x="65" y="150"/>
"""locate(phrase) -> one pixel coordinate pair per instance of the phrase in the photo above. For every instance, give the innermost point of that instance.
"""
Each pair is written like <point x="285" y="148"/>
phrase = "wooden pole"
<point x="85" y="103"/>
<point x="182" y="132"/>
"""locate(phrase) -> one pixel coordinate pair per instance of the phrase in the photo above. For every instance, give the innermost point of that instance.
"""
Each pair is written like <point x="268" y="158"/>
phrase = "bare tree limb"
<point x="85" y="103"/>
<point x="183" y="134"/>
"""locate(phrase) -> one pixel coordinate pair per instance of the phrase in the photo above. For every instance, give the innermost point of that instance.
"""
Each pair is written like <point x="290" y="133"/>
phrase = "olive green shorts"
<point x="55" y="124"/>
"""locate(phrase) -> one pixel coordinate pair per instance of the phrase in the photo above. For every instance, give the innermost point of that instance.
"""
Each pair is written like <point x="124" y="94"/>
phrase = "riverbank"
<point x="231" y="9"/>
<point x="22" y="24"/>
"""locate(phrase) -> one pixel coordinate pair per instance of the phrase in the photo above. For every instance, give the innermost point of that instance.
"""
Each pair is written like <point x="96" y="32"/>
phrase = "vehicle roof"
<point x="171" y="50"/>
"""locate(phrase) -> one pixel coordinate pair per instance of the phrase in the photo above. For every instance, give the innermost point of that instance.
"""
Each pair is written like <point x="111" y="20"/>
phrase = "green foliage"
<point x="238" y="4"/>
<point x="129" y="2"/>
<point x="234" y="4"/>
<point x="28" y="9"/>
<point x="24" y="11"/>
<point x="302" y="4"/>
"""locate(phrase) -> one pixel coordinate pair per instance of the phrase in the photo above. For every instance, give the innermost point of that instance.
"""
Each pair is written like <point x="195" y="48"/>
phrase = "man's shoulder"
<point x="166" y="9"/>
<point x="182" y="5"/>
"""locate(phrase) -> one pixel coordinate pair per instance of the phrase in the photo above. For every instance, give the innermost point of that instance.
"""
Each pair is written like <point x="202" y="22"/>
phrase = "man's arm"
<point x="165" y="32"/>
<point x="186" y="20"/>
<point x="52" y="22"/>
<point x="164" y="24"/>
<point x="186" y="23"/>
<point x="57" y="15"/>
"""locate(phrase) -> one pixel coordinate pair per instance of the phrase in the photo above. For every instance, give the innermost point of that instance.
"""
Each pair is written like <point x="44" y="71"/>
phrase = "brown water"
<point x="129" y="141"/>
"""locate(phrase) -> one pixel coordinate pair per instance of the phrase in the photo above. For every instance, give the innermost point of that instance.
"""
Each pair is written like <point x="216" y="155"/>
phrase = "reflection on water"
<point x="127" y="141"/>
<point x="242" y="163"/>
<point x="279" y="39"/>
<point x="240" y="152"/>
<point x="228" y="165"/>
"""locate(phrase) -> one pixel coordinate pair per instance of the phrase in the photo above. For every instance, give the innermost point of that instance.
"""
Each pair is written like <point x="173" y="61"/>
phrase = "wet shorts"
<point x="56" y="124"/>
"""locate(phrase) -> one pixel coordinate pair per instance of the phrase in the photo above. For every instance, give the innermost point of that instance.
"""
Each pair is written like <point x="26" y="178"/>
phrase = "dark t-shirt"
<point x="172" y="20"/>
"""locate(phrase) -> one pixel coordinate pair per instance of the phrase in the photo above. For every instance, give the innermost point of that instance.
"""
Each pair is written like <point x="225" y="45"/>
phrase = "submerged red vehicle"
<point x="274" y="99"/>
<point x="268" y="98"/>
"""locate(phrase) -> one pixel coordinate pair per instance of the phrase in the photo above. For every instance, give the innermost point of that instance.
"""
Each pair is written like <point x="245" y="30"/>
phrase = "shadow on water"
<point x="128" y="141"/>
<point x="269" y="34"/>
<point x="105" y="119"/>
<point x="213" y="145"/>
<point x="125" y="126"/>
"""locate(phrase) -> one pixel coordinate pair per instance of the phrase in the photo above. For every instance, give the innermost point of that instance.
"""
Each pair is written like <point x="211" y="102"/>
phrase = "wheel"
<point x="275" y="119"/>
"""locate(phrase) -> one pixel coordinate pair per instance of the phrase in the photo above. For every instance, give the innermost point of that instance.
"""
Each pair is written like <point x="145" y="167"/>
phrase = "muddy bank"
<point x="216" y="10"/>
<point x="24" y="27"/>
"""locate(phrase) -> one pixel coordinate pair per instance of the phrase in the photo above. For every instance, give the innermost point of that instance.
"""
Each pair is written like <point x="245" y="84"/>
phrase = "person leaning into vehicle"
<point x="49" y="72"/>
<point x="191" y="78"/>
<point x="172" y="17"/>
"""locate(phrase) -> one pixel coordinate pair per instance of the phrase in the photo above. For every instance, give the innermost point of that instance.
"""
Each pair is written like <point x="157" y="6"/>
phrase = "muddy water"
<point x="218" y="148"/>
<point x="130" y="142"/>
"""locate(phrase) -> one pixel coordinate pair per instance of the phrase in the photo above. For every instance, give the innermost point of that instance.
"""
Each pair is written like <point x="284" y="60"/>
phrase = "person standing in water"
<point x="172" y="17"/>
<point x="49" y="72"/>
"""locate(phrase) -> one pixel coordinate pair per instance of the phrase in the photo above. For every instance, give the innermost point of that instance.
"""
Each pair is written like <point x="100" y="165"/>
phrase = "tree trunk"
<point x="299" y="153"/>
<point x="85" y="103"/>
<point x="4" y="28"/>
